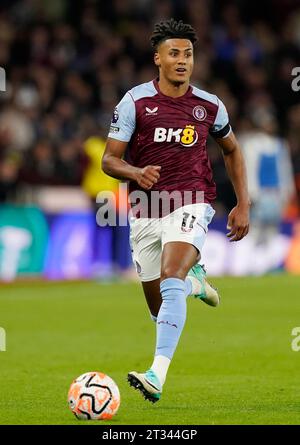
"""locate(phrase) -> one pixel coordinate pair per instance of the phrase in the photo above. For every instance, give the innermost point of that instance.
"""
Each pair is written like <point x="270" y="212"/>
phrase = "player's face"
<point x="175" y="60"/>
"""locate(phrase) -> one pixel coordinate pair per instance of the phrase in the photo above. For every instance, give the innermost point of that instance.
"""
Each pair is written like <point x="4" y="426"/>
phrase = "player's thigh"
<point x="153" y="296"/>
<point x="183" y="236"/>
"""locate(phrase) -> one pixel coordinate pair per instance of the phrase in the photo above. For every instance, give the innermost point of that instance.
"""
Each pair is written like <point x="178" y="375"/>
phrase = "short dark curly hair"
<point x="171" y="29"/>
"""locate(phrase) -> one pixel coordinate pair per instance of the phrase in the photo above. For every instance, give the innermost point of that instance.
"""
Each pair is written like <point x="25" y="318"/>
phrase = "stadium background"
<point x="67" y="65"/>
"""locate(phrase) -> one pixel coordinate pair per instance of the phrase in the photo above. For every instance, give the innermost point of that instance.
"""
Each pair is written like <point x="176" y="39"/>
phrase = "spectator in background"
<point x="110" y="245"/>
<point x="293" y="135"/>
<point x="270" y="175"/>
<point x="39" y="165"/>
<point x="70" y="162"/>
<point x="63" y="58"/>
<point x="18" y="129"/>
<point x="9" y="169"/>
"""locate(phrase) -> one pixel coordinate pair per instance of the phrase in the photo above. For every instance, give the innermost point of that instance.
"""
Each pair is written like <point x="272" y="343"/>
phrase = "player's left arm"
<point x="238" y="218"/>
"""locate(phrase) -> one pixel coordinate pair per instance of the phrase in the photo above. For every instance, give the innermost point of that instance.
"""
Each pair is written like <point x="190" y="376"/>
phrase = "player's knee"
<point x="173" y="272"/>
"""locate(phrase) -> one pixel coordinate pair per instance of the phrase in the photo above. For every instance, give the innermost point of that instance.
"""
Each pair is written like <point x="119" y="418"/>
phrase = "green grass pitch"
<point x="233" y="365"/>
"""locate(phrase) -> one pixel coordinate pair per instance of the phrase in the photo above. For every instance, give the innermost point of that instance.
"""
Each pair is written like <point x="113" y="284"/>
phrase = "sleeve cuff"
<point x="221" y="133"/>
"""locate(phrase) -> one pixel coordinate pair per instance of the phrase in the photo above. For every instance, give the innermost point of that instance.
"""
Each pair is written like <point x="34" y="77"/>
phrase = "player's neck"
<point x="173" y="90"/>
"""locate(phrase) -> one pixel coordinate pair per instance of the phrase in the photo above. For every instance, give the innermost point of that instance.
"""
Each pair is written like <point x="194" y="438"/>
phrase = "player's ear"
<point x="157" y="59"/>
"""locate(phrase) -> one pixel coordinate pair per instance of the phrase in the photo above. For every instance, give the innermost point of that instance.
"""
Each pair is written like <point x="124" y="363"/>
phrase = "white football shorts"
<point x="188" y="224"/>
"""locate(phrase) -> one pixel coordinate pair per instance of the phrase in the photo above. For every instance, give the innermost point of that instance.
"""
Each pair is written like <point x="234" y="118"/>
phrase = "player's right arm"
<point x="121" y="130"/>
<point x="113" y="165"/>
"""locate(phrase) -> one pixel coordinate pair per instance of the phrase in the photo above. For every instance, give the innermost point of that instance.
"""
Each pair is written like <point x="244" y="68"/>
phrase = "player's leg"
<point x="195" y="283"/>
<point x="153" y="296"/>
<point x="180" y="253"/>
<point x="146" y="248"/>
<point x="194" y="226"/>
<point x="145" y="241"/>
<point x="177" y="259"/>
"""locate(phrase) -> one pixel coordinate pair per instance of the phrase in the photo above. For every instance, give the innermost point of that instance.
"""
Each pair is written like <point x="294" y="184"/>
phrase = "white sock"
<point x="160" y="366"/>
<point x="196" y="285"/>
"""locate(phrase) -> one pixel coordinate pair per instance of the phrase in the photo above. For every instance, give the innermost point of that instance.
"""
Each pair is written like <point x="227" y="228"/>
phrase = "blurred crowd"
<point x="69" y="62"/>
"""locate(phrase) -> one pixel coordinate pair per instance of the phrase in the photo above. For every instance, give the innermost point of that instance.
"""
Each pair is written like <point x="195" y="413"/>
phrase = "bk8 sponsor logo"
<point x="187" y="136"/>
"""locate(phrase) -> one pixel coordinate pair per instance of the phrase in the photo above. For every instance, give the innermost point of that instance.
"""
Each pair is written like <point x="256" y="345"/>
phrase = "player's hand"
<point x="148" y="176"/>
<point x="238" y="223"/>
